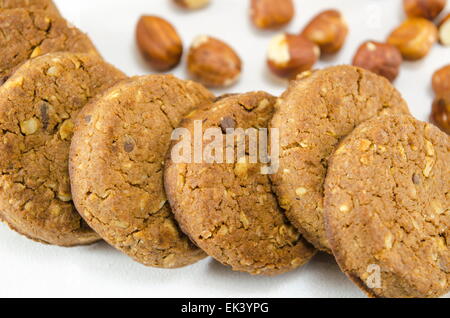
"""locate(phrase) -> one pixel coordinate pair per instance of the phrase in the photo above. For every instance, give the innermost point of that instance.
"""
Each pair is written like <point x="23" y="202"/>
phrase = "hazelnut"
<point x="380" y="58"/>
<point x="328" y="30"/>
<point x="441" y="81"/>
<point x="213" y="62"/>
<point x="428" y="9"/>
<point x="440" y="113"/>
<point x="192" y="4"/>
<point x="158" y="42"/>
<point x="270" y="14"/>
<point x="444" y="30"/>
<point x="30" y="126"/>
<point x="290" y="55"/>
<point x="414" y="38"/>
<point x="66" y="129"/>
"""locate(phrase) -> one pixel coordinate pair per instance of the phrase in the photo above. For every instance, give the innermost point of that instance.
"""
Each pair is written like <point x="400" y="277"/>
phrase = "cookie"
<point x="34" y="33"/>
<point x="387" y="207"/>
<point x="46" y="5"/>
<point x="116" y="165"/>
<point x="317" y="110"/>
<point x="228" y="208"/>
<point x="38" y="105"/>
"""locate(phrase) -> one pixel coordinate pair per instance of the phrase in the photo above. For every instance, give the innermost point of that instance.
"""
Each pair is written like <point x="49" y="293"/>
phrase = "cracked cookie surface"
<point x="229" y="209"/>
<point x="26" y="34"/>
<point x="46" y="5"/>
<point x="116" y="164"/>
<point x="38" y="105"/>
<point x="317" y="110"/>
<point x="387" y="207"/>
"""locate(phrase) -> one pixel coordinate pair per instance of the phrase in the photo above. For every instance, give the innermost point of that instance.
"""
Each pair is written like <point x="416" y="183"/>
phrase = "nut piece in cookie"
<point x="116" y="163"/>
<point x="227" y="206"/>
<point x="38" y="105"/>
<point x="387" y="207"/>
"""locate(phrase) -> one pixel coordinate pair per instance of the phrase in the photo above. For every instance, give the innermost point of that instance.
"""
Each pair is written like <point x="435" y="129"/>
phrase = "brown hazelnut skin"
<point x="271" y="14"/>
<point x="380" y="58"/>
<point x="328" y="30"/>
<point x="213" y="62"/>
<point x="441" y="81"/>
<point x="440" y="113"/>
<point x="428" y="9"/>
<point x="291" y="54"/>
<point x="414" y="38"/>
<point x="159" y="43"/>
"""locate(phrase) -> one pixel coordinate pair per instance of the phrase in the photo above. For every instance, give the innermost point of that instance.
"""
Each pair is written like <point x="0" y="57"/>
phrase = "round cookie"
<point x="313" y="115"/>
<point x="116" y="164"/>
<point x="387" y="207"/>
<point x="46" y="5"/>
<point x="229" y="209"/>
<point x="34" y="33"/>
<point x="38" y="105"/>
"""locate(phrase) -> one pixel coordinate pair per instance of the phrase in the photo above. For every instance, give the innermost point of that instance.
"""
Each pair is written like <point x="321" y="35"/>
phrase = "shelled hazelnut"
<point x="270" y="14"/>
<point x="414" y="38"/>
<point x="158" y="42"/>
<point x="380" y="58"/>
<point x="328" y="30"/>
<point x="441" y="81"/>
<point x="291" y="54"/>
<point x="213" y="62"/>
<point x="440" y="114"/>
<point x="444" y="30"/>
<point x="428" y="9"/>
<point x="192" y="4"/>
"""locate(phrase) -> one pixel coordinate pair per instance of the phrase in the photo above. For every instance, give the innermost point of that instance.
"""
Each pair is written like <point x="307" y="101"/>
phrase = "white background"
<point x="32" y="269"/>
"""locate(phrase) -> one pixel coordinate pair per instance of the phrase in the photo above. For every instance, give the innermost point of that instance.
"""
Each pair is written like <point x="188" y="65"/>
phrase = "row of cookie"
<point x="384" y="184"/>
<point x="229" y="210"/>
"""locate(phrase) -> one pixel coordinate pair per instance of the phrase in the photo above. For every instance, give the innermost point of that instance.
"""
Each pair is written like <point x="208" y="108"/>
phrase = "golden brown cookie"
<point x="116" y="164"/>
<point x="317" y="110"/>
<point x="387" y="207"/>
<point x="29" y="34"/>
<point x="229" y="209"/>
<point x="38" y="105"/>
<point x="46" y="5"/>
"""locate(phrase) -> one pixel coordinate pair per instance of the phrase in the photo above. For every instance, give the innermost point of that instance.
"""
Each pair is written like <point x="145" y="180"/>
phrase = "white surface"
<point x="31" y="269"/>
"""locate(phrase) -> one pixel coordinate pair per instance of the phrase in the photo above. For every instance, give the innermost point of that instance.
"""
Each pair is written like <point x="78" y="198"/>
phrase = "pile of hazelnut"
<point x="214" y="63"/>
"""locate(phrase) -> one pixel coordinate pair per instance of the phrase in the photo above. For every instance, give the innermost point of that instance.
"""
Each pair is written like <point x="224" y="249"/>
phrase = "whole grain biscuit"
<point x="46" y="5"/>
<point x="228" y="207"/>
<point x="387" y="207"/>
<point x="38" y="105"/>
<point x="116" y="164"/>
<point x="317" y="110"/>
<point x="28" y="34"/>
